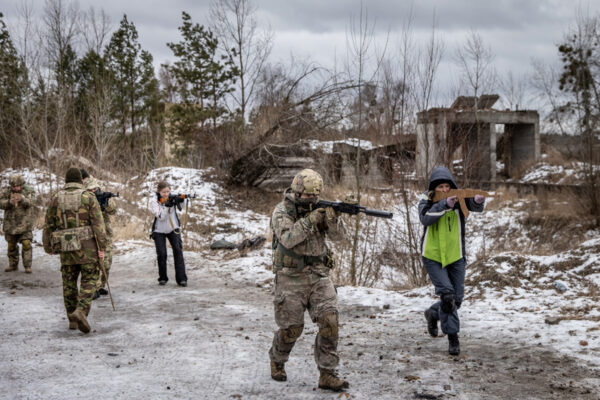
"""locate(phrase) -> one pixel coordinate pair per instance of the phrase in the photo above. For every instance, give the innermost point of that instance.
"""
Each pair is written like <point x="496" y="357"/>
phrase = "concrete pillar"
<point x="524" y="146"/>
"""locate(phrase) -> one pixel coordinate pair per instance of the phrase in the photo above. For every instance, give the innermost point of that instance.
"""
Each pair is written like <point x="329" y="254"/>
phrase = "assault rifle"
<point x="351" y="208"/>
<point x="176" y="199"/>
<point x="461" y="195"/>
<point x="103" y="197"/>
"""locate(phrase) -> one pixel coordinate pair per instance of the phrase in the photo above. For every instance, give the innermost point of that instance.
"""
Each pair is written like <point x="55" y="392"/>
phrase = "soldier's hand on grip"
<point x="15" y="198"/>
<point x="318" y="218"/>
<point x="332" y="214"/>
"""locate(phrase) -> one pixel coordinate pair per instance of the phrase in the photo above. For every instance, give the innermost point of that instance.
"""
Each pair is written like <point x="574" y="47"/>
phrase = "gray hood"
<point x="440" y="175"/>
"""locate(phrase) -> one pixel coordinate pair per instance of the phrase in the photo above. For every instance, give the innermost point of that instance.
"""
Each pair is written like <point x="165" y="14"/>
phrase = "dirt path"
<point x="210" y="341"/>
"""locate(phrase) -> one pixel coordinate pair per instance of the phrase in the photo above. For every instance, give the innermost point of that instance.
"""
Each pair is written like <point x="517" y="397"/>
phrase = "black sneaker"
<point x="432" y="326"/>
<point x="102" y="291"/>
<point x="96" y="295"/>
<point x="162" y="283"/>
<point x="183" y="283"/>
<point x="453" y="345"/>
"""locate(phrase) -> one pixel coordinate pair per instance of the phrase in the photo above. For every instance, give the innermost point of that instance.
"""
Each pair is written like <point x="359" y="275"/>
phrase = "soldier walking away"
<point x="443" y="251"/>
<point x="167" y="226"/>
<point x="301" y="262"/>
<point x="110" y="208"/>
<point x="17" y="201"/>
<point x="75" y="229"/>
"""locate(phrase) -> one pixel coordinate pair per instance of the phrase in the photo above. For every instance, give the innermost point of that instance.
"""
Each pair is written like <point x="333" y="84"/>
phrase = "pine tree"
<point x="13" y="79"/>
<point x="134" y="84"/>
<point x="203" y="79"/>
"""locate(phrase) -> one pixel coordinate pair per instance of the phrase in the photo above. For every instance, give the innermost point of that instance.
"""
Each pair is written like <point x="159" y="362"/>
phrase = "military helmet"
<point x="92" y="184"/>
<point x="307" y="181"/>
<point x="16" y="180"/>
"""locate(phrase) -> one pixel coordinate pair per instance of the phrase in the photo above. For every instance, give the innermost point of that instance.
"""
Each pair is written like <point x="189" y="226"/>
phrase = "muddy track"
<point x="210" y="341"/>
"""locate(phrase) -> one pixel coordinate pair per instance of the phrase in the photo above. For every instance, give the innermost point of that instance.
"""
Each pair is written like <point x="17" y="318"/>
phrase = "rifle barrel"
<point x="377" y="213"/>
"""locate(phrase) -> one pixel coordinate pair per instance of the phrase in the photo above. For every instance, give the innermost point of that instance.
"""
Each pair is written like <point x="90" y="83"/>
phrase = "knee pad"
<point x="289" y="335"/>
<point x="448" y="302"/>
<point x="12" y="247"/>
<point x="328" y="325"/>
<point x="26" y="244"/>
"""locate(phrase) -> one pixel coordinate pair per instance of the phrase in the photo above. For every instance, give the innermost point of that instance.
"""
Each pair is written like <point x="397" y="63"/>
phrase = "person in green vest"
<point x="443" y="251"/>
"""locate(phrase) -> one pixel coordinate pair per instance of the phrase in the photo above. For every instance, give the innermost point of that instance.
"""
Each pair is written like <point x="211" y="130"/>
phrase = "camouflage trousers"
<point x="107" y="264"/>
<point x="294" y="294"/>
<point x="13" y="249"/>
<point x="75" y="298"/>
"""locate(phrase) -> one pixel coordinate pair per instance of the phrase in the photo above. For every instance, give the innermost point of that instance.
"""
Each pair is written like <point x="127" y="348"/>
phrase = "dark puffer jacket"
<point x="430" y="212"/>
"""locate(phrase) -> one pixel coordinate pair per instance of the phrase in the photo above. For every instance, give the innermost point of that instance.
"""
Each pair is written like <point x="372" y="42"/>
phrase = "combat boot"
<point x="102" y="291"/>
<point x="278" y="371"/>
<point x="72" y="323"/>
<point x="79" y="317"/>
<point x="453" y="344"/>
<point x="28" y="270"/>
<point x="432" y="326"/>
<point x="11" y="268"/>
<point x="330" y="381"/>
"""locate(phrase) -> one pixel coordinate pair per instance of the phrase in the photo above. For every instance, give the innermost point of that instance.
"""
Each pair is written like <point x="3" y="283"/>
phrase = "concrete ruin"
<point x="272" y="167"/>
<point x="468" y="130"/>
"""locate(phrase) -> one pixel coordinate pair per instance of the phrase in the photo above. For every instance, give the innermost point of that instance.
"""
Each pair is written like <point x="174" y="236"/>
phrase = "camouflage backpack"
<point x="69" y="239"/>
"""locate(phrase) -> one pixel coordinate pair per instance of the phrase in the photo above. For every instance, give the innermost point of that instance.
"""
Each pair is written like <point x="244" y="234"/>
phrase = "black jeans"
<point x="161" y="254"/>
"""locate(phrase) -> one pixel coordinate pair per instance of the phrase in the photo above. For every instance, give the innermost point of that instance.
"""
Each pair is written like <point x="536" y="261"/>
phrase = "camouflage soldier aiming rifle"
<point x="301" y="262"/>
<point x="75" y="230"/>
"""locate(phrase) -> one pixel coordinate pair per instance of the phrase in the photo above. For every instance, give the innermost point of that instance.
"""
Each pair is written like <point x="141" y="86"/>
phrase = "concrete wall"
<point x="522" y="146"/>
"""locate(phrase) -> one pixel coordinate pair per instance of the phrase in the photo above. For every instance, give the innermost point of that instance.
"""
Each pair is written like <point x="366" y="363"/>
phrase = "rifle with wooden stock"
<point x="461" y="195"/>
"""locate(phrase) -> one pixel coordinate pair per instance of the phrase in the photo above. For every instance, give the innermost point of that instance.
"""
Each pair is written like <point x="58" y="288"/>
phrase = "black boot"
<point x="453" y="344"/>
<point x="432" y="326"/>
<point x="102" y="292"/>
<point x="96" y="295"/>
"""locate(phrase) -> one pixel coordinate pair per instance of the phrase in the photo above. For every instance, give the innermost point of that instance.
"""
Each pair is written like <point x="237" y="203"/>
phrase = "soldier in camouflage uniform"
<point x="110" y="208"/>
<point x="301" y="262"/>
<point x="75" y="229"/>
<point x="17" y="201"/>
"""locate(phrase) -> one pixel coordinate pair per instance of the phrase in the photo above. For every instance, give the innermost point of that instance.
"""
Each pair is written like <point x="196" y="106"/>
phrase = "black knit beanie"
<point x="73" y="175"/>
<point x="84" y="173"/>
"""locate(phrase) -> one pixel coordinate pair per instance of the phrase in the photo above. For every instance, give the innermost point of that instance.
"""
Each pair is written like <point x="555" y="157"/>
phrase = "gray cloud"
<point x="516" y="30"/>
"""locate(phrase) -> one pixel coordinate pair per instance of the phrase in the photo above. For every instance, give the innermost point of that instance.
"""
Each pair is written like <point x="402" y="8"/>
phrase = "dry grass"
<point x="557" y="220"/>
<point x="127" y="229"/>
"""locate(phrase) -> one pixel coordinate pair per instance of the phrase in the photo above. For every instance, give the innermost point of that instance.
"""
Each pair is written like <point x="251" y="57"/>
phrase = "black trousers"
<point x="161" y="254"/>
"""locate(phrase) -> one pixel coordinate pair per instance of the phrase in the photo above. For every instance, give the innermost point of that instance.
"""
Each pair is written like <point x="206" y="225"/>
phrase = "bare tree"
<point x="235" y="23"/>
<point x="62" y="29"/>
<point x="475" y="61"/>
<point x="545" y="85"/>
<point x="363" y="61"/>
<point x="427" y="68"/>
<point x="513" y="91"/>
<point x="95" y="27"/>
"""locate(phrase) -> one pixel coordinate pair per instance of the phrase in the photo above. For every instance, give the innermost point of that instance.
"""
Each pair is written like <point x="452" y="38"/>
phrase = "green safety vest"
<point x="443" y="239"/>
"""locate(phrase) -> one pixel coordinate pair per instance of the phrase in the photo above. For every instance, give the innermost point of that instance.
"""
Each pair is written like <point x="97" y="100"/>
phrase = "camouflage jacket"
<point x="90" y="214"/>
<point x="297" y="234"/>
<point x="19" y="219"/>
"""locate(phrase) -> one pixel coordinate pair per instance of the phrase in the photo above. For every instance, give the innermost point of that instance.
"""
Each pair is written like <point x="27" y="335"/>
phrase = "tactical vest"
<point x="69" y="239"/>
<point x="286" y="258"/>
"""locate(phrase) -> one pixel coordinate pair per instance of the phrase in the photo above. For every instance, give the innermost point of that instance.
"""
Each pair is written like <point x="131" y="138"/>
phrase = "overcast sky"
<point x="516" y="30"/>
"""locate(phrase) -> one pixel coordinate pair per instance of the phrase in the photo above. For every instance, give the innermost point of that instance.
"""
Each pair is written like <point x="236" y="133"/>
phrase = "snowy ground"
<point x="210" y="340"/>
